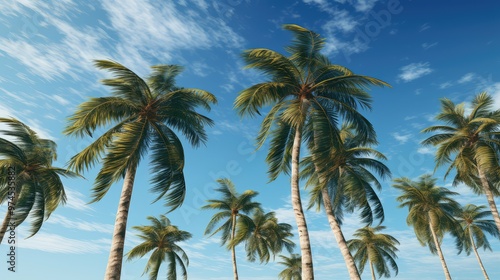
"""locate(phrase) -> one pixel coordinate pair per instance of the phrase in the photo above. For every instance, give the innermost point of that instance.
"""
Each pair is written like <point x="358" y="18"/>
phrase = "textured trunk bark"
<point x="305" y="244"/>
<point x="114" y="267"/>
<point x="438" y="248"/>
<point x="8" y="215"/>
<point x="339" y="236"/>
<point x="372" y="271"/>
<point x="233" y="252"/>
<point x="489" y="197"/>
<point x="477" y="256"/>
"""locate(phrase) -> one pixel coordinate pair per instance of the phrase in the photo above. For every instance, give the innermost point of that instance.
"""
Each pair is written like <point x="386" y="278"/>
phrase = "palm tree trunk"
<point x="339" y="236"/>
<point x="477" y="256"/>
<point x="114" y="267"/>
<point x="305" y="244"/>
<point x="438" y="248"/>
<point x="233" y="253"/>
<point x="372" y="271"/>
<point x="8" y="215"/>
<point x="489" y="197"/>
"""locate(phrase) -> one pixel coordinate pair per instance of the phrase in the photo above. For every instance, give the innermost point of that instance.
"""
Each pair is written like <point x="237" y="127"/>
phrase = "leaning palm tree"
<point x="143" y="115"/>
<point x="346" y="177"/>
<point x="469" y="143"/>
<point x="307" y="94"/>
<point x="474" y="224"/>
<point x="263" y="235"/>
<point x="293" y="270"/>
<point x="161" y="238"/>
<point x="29" y="183"/>
<point x="430" y="212"/>
<point x="375" y="249"/>
<point x="232" y="207"/>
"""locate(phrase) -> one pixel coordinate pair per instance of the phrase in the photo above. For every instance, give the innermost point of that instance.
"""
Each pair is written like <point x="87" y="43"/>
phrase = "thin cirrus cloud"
<point x="414" y="71"/>
<point x="131" y="31"/>
<point x="401" y="138"/>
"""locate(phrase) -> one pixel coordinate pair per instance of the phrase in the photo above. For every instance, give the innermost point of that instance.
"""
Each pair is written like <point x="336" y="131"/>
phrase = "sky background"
<point x="425" y="49"/>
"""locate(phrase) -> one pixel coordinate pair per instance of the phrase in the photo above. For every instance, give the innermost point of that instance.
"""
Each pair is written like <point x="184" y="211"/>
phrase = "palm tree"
<point x="143" y="115"/>
<point x="377" y="249"/>
<point x="307" y="94"/>
<point x="474" y="225"/>
<point x="33" y="186"/>
<point x="430" y="212"/>
<point x="232" y="206"/>
<point x="472" y="139"/>
<point x="346" y="183"/>
<point x="161" y="238"/>
<point x="293" y="270"/>
<point x="263" y="235"/>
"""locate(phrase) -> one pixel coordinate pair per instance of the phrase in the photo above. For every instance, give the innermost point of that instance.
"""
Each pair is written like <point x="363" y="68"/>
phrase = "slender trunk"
<point x="339" y="236"/>
<point x="11" y="205"/>
<point x="438" y="248"/>
<point x="477" y="256"/>
<point x="372" y="271"/>
<point x="489" y="197"/>
<point x="233" y="253"/>
<point x="305" y="244"/>
<point x="114" y="267"/>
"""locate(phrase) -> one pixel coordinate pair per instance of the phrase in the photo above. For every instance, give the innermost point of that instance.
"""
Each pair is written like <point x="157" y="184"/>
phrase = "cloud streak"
<point x="414" y="71"/>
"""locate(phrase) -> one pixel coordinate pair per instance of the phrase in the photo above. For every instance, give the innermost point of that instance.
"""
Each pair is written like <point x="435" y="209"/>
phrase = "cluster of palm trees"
<point x="313" y="106"/>
<point x="263" y="235"/>
<point x="433" y="212"/>
<point x="469" y="143"/>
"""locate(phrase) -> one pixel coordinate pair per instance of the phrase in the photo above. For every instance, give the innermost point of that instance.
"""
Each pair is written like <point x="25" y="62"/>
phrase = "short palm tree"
<point x="376" y="249"/>
<point x="430" y="212"/>
<point x="342" y="178"/>
<point x="307" y="95"/>
<point x="29" y="184"/>
<point x="474" y="223"/>
<point x="469" y="143"/>
<point x="161" y="237"/>
<point x="232" y="206"/>
<point x="293" y="267"/>
<point x="143" y="115"/>
<point x="263" y="235"/>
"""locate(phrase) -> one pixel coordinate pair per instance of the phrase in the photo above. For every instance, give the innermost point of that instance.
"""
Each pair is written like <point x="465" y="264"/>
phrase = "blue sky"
<point x="425" y="49"/>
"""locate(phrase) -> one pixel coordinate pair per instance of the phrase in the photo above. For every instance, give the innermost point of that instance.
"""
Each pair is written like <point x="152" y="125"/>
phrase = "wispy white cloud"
<point x="494" y="91"/>
<point x="424" y="27"/>
<point x="427" y="46"/>
<point x="414" y="71"/>
<point x="76" y="200"/>
<point x="80" y="224"/>
<point x="133" y="32"/>
<point x="467" y="78"/>
<point x="426" y="150"/>
<point x="445" y="85"/>
<point x="401" y="138"/>
<point x="364" y="5"/>
<point x="54" y="243"/>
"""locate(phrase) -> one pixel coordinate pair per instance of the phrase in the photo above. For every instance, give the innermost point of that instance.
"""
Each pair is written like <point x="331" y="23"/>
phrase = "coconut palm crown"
<point x="306" y="96"/>
<point x="140" y="116"/>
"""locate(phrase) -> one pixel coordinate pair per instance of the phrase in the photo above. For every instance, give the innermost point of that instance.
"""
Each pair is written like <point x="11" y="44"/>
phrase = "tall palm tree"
<point x="376" y="249"/>
<point x="232" y="207"/>
<point x="307" y="94"/>
<point x="161" y="238"/>
<point x="143" y="115"/>
<point x="430" y="212"/>
<point x="263" y="235"/>
<point x="293" y="267"/>
<point x="474" y="224"/>
<point x="342" y="179"/>
<point x="33" y="186"/>
<point x="471" y="139"/>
